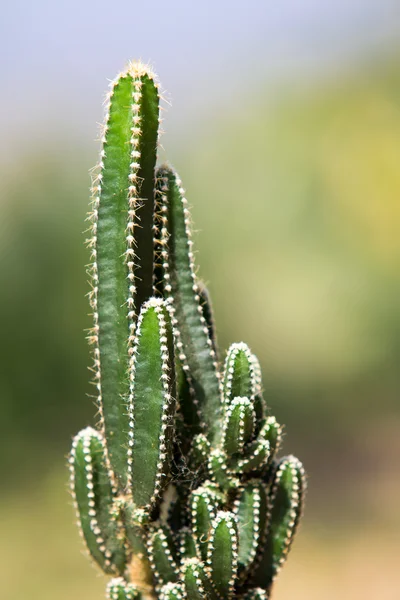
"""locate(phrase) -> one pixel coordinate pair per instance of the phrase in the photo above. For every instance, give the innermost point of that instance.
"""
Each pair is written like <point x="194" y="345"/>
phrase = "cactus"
<point x="178" y="490"/>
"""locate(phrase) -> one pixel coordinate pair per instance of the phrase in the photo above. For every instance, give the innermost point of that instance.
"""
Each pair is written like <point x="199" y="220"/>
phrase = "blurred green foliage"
<point x="43" y="309"/>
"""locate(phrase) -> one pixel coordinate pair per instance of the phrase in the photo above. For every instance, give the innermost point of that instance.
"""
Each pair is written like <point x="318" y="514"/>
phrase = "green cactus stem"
<point x="179" y="492"/>
<point x="122" y="244"/>
<point x="197" y="585"/>
<point x="222" y="554"/>
<point x="160" y="549"/>
<point x="197" y="353"/>
<point x="152" y="404"/>
<point x="203" y="503"/>
<point x="286" y="499"/>
<point x="94" y="499"/>
<point x="252" y="511"/>
<point x="238" y="425"/>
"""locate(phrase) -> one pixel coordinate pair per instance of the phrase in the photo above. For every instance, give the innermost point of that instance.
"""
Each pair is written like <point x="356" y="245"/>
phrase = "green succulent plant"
<point x="179" y="492"/>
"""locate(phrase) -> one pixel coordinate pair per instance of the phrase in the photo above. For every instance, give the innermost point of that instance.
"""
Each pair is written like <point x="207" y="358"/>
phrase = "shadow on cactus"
<point x="179" y="492"/>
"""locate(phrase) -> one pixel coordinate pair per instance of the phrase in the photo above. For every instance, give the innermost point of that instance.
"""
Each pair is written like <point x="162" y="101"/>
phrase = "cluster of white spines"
<point x="133" y="202"/>
<point x="297" y="491"/>
<point x="93" y="337"/>
<point x="256" y="594"/>
<point x="159" y="306"/>
<point x="162" y="241"/>
<point x="86" y="436"/>
<point x="118" y="585"/>
<point x="172" y="591"/>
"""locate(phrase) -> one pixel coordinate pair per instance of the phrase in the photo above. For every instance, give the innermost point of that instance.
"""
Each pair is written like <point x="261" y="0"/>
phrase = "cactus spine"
<point x="178" y="491"/>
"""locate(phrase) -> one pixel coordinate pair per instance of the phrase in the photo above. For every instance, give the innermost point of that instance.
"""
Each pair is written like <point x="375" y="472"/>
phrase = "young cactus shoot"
<point x="178" y="491"/>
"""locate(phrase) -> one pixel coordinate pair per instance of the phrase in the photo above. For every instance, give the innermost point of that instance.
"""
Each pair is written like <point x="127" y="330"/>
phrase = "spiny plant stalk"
<point x="178" y="491"/>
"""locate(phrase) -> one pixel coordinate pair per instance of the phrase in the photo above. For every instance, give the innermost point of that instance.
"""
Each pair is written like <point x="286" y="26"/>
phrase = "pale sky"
<point x="56" y="57"/>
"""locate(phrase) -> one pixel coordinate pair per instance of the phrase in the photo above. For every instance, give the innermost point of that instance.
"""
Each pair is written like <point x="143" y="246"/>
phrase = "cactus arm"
<point x="152" y="406"/>
<point x="251" y="508"/>
<point x="179" y="494"/>
<point x="203" y="508"/>
<point x="239" y="377"/>
<point x="119" y="589"/>
<point x="198" y="352"/>
<point x="287" y="496"/>
<point x="162" y="561"/>
<point x="122" y="209"/>
<point x="222" y="554"/>
<point x="197" y="585"/>
<point x="272" y="431"/>
<point x="255" y="458"/>
<point x="192" y="577"/>
<point x="238" y="425"/>
<point x="93" y="498"/>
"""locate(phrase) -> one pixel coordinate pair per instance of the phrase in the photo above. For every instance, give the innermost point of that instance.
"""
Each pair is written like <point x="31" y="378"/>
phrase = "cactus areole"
<point x="178" y="491"/>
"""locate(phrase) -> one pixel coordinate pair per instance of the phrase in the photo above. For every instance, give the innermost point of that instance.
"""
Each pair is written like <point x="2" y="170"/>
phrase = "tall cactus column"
<point x="123" y="246"/>
<point x="179" y="492"/>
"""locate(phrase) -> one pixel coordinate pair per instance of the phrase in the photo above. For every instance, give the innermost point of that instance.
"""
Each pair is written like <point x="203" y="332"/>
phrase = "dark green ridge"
<point x="187" y="545"/>
<point x="195" y="339"/>
<point x="144" y="234"/>
<point x="149" y="406"/>
<point x="284" y="500"/>
<point x="205" y="303"/>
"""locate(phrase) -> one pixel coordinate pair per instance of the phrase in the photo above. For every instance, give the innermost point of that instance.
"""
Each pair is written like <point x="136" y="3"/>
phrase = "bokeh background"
<point x="285" y="127"/>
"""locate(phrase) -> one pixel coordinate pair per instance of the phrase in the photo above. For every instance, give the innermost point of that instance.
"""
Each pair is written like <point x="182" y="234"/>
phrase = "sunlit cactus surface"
<point x="179" y="491"/>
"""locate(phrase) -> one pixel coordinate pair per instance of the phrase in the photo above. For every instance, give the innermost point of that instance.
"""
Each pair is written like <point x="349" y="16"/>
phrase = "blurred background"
<point x="285" y="128"/>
